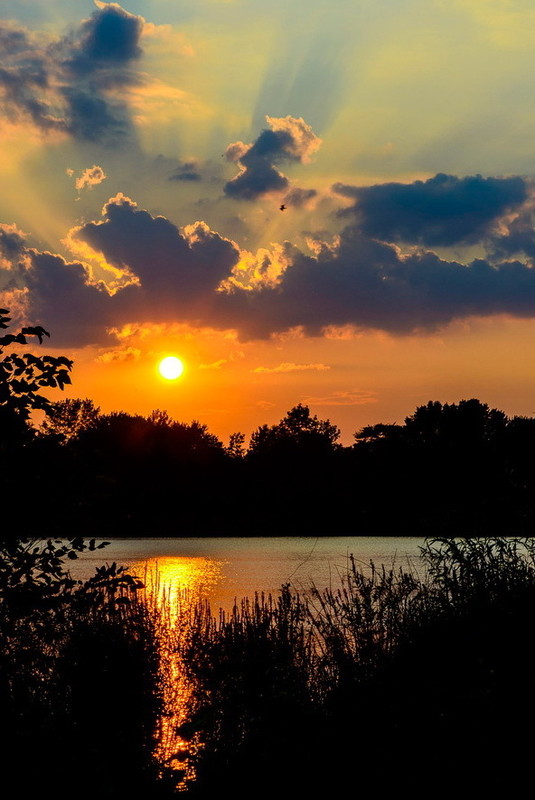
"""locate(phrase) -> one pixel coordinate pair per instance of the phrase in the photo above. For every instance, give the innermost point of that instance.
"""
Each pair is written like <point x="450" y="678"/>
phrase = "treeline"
<point x="463" y="468"/>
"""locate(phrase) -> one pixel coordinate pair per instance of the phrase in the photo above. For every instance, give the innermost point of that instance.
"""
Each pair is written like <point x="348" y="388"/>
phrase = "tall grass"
<point x="346" y="690"/>
<point x="425" y="672"/>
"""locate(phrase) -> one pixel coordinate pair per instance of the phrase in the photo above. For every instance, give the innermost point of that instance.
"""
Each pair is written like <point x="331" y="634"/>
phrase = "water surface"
<point x="224" y="569"/>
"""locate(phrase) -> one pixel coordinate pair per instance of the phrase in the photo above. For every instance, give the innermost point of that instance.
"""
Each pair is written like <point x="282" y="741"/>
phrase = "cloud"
<point x="444" y="210"/>
<point x="12" y="243"/>
<point x="188" y="171"/>
<point x="109" y="38"/>
<point x="214" y="364"/>
<point x="299" y="197"/>
<point x="290" y="367"/>
<point x="89" y="177"/>
<point x="370" y="284"/>
<point x="194" y="275"/>
<point x="354" y="398"/>
<point x="515" y="235"/>
<point x="257" y="270"/>
<point x="73" y="85"/>
<point x="177" y="274"/>
<point x="26" y="74"/>
<point x="119" y="355"/>
<point x="174" y="269"/>
<point x="12" y="251"/>
<point x="287" y="139"/>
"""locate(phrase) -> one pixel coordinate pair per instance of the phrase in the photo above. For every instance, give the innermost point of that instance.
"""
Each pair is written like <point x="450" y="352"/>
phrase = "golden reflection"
<point x="170" y="579"/>
<point x="173" y="585"/>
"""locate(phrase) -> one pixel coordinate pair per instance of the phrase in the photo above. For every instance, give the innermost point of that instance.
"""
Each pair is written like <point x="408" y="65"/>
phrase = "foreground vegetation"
<point x="81" y="676"/>
<point x="397" y="679"/>
<point x="423" y="676"/>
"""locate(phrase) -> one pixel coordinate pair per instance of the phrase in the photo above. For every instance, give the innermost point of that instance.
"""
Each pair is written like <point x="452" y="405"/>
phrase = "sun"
<point x="171" y="368"/>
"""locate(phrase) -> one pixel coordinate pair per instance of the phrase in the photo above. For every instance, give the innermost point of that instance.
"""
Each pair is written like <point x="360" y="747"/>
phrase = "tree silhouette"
<point x="68" y="418"/>
<point x="298" y="432"/>
<point x="22" y="376"/>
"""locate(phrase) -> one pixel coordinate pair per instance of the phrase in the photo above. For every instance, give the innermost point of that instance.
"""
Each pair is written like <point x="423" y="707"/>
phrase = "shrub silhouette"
<point x="22" y="376"/>
<point x="80" y="680"/>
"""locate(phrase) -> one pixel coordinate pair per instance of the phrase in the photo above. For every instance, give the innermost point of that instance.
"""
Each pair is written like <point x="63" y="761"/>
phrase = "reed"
<point x="303" y="694"/>
<point x="395" y="662"/>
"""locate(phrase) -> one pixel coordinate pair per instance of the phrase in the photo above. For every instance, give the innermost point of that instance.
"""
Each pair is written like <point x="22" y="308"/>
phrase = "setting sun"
<point x="171" y="368"/>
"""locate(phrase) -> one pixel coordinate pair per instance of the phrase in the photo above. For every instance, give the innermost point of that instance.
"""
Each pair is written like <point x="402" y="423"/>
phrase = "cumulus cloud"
<point x="178" y="273"/>
<point x="72" y="85"/>
<point x="174" y="268"/>
<point x="89" y="177"/>
<point x="12" y="243"/>
<point x="515" y="235"/>
<point x="444" y="210"/>
<point x="291" y="367"/>
<point x="257" y="270"/>
<point x="287" y="139"/>
<point x="12" y="252"/>
<point x="370" y="284"/>
<point x="109" y="37"/>
<point x="194" y="275"/>
<point x="120" y="354"/>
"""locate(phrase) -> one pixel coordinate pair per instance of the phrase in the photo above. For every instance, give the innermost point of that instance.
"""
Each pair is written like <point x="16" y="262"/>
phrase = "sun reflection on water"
<point x="170" y="579"/>
<point x="173" y="584"/>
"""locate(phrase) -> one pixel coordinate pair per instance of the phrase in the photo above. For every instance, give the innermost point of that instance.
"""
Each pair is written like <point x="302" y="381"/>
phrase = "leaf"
<point x="38" y="331"/>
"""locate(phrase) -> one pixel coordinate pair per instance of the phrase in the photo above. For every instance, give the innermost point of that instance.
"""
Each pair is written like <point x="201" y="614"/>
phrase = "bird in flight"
<point x="282" y="207"/>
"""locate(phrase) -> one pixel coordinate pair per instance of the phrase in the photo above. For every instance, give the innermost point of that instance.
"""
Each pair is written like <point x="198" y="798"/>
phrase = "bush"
<point x="81" y="688"/>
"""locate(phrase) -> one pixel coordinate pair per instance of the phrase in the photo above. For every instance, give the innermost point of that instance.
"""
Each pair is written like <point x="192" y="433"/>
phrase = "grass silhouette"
<point x="425" y="673"/>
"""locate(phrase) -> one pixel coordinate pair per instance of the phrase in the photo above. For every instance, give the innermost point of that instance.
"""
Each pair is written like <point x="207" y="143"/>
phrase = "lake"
<point x="223" y="569"/>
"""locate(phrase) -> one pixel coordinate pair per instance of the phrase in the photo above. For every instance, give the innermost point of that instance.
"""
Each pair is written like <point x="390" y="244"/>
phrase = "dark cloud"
<point x="171" y="266"/>
<point x="444" y="210"/>
<point x="288" y="139"/>
<point x="109" y="38"/>
<point x="62" y="293"/>
<point x="369" y="284"/>
<point x="93" y="118"/>
<point x="12" y="40"/>
<point x="299" y="197"/>
<point x="12" y="244"/>
<point x="11" y="250"/>
<point x="516" y="235"/>
<point x="258" y="177"/>
<point x="186" y="172"/>
<point x="25" y="80"/>
<point x="176" y="274"/>
<point x="71" y="85"/>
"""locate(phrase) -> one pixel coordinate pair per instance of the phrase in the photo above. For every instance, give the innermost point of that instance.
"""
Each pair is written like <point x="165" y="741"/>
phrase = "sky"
<point x="147" y="149"/>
